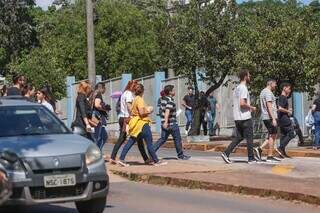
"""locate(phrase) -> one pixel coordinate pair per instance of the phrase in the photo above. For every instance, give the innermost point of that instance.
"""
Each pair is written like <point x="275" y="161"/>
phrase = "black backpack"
<point x="118" y="106"/>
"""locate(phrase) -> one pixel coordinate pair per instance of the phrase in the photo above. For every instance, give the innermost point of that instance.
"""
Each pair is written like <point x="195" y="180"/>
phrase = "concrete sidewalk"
<point x="293" y="179"/>
<point x="219" y="146"/>
<point x="220" y="143"/>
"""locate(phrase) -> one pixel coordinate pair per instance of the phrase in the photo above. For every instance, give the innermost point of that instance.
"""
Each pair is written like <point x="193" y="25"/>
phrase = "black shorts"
<point x="272" y="130"/>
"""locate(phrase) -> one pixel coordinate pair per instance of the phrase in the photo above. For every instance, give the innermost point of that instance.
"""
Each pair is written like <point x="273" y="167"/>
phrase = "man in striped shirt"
<point x="169" y="123"/>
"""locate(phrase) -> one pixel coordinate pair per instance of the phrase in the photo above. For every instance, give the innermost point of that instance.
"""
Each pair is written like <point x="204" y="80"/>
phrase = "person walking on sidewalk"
<point x="285" y="123"/>
<point x="204" y="106"/>
<point x="100" y="111"/>
<point x="243" y="119"/>
<point x="213" y="106"/>
<point x="169" y="123"/>
<point x="43" y="98"/>
<point x="18" y="83"/>
<point x="269" y="116"/>
<point x="139" y="128"/>
<point x="188" y="103"/>
<point x="316" y="115"/>
<point x="82" y="124"/>
<point x="124" y="117"/>
<point x="29" y="91"/>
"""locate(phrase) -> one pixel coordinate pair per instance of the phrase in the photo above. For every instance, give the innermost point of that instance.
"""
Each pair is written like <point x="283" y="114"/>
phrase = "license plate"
<point x="59" y="180"/>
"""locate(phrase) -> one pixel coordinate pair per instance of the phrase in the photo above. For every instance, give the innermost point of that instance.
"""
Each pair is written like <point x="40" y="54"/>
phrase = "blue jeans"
<point x="165" y="133"/>
<point x="145" y="135"/>
<point x="189" y="116"/>
<point x="316" y="116"/>
<point x="211" y="120"/>
<point x="100" y="133"/>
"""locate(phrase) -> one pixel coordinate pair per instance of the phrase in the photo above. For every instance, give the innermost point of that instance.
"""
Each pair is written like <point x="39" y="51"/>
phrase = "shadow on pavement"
<point x="170" y="158"/>
<point x="48" y="209"/>
<point x="45" y="208"/>
<point x="240" y="161"/>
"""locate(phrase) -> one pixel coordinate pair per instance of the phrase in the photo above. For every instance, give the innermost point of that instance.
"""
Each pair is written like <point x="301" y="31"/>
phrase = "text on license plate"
<point x="59" y="180"/>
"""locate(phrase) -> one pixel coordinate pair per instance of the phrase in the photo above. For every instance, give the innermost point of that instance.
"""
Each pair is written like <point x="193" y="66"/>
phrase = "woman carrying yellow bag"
<point x="139" y="127"/>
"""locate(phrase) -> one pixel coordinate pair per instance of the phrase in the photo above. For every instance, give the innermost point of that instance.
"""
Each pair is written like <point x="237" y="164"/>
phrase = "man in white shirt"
<point x="243" y="120"/>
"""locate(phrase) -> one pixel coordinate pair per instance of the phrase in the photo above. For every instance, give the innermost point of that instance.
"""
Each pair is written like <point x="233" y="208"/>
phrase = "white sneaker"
<point x="160" y="163"/>
<point x="123" y="164"/>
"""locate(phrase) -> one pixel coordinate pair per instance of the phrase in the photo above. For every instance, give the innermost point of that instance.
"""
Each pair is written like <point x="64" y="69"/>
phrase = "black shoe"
<point x="271" y="159"/>
<point x="184" y="157"/>
<point x="280" y="152"/>
<point x="225" y="158"/>
<point x="258" y="152"/>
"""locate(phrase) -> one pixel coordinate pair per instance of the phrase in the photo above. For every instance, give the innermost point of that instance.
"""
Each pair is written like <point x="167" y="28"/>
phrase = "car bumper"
<point x="31" y="191"/>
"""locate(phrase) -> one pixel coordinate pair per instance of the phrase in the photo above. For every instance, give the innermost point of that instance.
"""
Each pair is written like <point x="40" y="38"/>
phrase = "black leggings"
<point x="122" y="138"/>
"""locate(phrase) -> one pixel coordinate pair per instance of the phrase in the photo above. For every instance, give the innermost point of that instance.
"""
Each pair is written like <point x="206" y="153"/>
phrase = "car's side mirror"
<point x="9" y="156"/>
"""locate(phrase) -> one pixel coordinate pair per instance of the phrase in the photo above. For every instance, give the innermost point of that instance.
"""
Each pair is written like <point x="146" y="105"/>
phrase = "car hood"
<point x="45" y="145"/>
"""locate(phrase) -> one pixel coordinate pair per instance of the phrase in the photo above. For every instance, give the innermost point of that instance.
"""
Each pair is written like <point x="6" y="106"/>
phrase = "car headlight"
<point x="93" y="154"/>
<point x="16" y="167"/>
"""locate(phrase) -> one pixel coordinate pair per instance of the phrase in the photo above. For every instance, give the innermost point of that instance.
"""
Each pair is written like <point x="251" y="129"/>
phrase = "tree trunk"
<point x="196" y="121"/>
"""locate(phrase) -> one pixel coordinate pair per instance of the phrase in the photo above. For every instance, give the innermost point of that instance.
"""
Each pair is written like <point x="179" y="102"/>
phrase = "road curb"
<point x="221" y="187"/>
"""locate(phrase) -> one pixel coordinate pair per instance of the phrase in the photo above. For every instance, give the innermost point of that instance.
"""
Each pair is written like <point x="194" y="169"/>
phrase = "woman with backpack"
<point x="100" y="112"/>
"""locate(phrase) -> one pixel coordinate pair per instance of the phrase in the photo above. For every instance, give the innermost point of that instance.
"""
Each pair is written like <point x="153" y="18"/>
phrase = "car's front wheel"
<point x="92" y="206"/>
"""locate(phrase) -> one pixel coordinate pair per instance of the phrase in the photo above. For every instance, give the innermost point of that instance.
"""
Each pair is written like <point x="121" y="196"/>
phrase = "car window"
<point x="17" y="121"/>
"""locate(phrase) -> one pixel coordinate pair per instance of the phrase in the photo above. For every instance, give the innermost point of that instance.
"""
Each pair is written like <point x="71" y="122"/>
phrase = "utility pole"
<point x="90" y="43"/>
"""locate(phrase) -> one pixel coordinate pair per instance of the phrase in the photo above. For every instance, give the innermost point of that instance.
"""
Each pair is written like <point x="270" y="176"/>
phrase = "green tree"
<point x="124" y="36"/>
<point x="17" y="30"/>
<point x="279" y="40"/>
<point x="201" y="37"/>
<point x="125" y="40"/>
<point x="158" y="13"/>
<point x="62" y="49"/>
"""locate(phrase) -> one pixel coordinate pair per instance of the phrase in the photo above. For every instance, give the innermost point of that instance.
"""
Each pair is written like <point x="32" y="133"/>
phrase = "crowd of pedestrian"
<point x="21" y="86"/>
<point x="275" y="114"/>
<point x="91" y="115"/>
<point x="208" y="107"/>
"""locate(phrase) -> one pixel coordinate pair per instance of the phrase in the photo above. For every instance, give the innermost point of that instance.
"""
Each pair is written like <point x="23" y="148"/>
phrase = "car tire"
<point x="96" y="205"/>
<point x="15" y="209"/>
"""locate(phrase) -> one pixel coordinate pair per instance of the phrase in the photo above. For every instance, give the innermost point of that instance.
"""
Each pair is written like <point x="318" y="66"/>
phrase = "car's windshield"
<point x="29" y="120"/>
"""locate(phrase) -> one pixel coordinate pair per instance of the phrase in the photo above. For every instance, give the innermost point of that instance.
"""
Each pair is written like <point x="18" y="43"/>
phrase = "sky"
<point x="45" y="3"/>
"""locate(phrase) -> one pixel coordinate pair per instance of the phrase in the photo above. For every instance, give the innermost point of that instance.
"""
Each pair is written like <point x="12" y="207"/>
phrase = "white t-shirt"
<point x="240" y="114"/>
<point x="126" y="97"/>
<point x="48" y="105"/>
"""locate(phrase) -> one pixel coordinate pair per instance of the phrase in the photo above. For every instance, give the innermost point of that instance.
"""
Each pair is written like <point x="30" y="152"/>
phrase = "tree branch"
<point x="217" y="84"/>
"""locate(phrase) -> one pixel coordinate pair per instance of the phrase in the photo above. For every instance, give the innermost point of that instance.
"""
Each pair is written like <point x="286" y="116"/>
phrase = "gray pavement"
<point x="131" y="197"/>
<point x="126" y="196"/>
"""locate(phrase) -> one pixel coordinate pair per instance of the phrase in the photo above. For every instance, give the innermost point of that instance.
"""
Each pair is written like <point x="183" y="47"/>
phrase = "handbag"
<point x="94" y="121"/>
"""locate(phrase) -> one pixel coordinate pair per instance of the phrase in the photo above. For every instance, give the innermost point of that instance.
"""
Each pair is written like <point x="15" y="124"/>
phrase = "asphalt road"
<point x="133" y="197"/>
